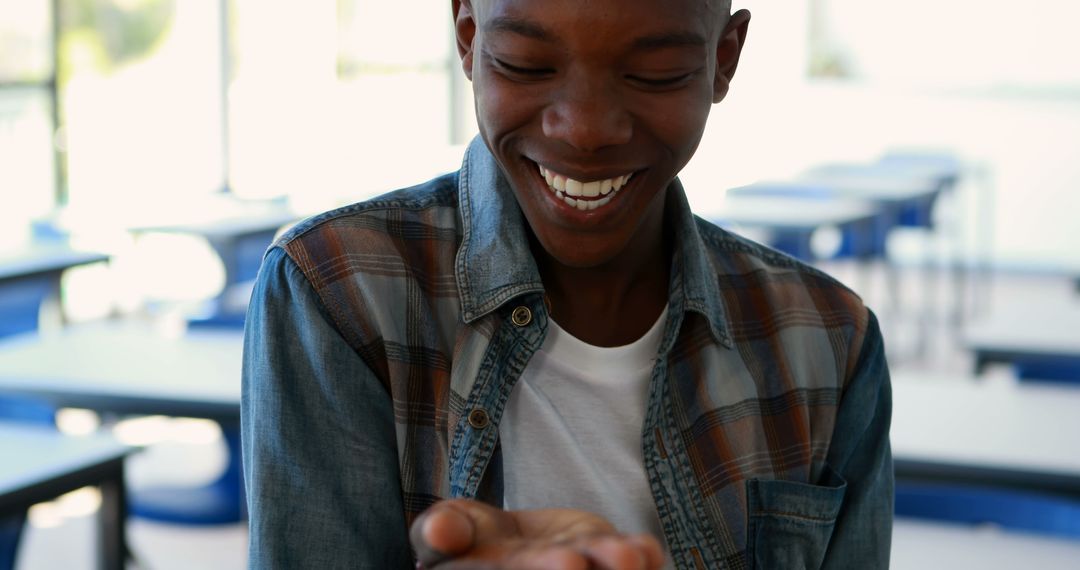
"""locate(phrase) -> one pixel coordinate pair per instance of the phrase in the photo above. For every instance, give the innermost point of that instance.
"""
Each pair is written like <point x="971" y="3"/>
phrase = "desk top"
<point x="779" y="212"/>
<point x="989" y="423"/>
<point x="41" y="258"/>
<point x="35" y="456"/>
<point x="230" y="226"/>
<point x="128" y="368"/>
<point x="919" y="544"/>
<point x="1029" y="329"/>
<point x="874" y="182"/>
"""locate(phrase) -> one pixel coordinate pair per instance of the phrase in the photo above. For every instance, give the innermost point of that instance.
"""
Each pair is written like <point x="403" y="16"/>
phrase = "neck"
<point x="615" y="303"/>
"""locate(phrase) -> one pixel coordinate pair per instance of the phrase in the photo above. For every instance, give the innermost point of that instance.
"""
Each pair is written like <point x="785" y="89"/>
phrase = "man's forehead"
<point x="721" y="7"/>
<point x="717" y="4"/>
<point x="713" y="13"/>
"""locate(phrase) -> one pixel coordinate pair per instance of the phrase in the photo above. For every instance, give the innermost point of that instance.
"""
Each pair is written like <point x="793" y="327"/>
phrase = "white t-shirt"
<point x="571" y="432"/>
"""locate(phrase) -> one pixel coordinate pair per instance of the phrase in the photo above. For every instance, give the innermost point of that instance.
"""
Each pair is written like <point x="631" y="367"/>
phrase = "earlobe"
<point x="464" y="32"/>
<point x="728" y="50"/>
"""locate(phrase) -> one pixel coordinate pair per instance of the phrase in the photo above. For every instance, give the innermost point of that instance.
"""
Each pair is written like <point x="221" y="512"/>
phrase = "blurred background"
<point x="927" y="153"/>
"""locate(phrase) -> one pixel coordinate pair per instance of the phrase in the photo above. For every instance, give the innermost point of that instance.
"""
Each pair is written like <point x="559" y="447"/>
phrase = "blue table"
<point x="239" y="232"/>
<point x="792" y="221"/>
<point x="131" y="368"/>
<point x="1041" y="339"/>
<point x="239" y="235"/>
<point x="908" y="194"/>
<point x="941" y="165"/>
<point x="920" y="544"/>
<point x="40" y="464"/>
<point x="30" y="275"/>
<point x="996" y="431"/>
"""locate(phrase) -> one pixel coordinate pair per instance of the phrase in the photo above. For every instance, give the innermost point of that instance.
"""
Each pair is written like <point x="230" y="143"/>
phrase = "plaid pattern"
<point x="752" y="368"/>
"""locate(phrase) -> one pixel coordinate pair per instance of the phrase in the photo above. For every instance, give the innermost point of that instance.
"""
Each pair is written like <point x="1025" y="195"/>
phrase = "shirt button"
<point x="478" y="418"/>
<point x="521" y="316"/>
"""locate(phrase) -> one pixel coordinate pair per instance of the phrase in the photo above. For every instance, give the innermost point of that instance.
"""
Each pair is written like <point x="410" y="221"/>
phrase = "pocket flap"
<point x="812" y="503"/>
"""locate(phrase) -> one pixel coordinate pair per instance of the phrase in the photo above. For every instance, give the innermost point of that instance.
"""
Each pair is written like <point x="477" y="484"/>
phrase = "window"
<point x="140" y="87"/>
<point x="27" y="162"/>
<point x="160" y="101"/>
<point x="996" y="45"/>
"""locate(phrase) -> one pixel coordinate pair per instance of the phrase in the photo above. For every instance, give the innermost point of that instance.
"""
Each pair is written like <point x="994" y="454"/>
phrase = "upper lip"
<point x="587" y="174"/>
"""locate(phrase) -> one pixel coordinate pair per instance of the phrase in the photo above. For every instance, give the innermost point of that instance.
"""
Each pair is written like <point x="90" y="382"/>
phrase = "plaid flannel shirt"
<point x="384" y="339"/>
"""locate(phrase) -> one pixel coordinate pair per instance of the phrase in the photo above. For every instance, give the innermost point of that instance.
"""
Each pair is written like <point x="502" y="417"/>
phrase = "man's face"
<point x="592" y="107"/>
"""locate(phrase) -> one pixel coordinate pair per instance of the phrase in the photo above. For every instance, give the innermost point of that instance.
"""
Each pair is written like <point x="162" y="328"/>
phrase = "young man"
<point x="544" y="360"/>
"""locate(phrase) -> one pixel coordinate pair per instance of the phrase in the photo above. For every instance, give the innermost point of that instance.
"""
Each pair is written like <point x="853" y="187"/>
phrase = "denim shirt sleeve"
<point x="320" y="458"/>
<point x="860" y="454"/>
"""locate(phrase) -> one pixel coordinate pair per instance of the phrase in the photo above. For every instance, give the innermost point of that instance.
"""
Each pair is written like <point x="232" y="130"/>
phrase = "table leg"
<point x="11" y="526"/>
<point x="112" y="540"/>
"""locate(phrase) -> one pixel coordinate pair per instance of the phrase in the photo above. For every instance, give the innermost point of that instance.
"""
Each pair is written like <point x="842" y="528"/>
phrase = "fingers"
<point x="441" y="533"/>
<point x="617" y="552"/>
<point x="521" y="557"/>
<point x="453" y="527"/>
<point x="469" y="535"/>
<point x="560" y="524"/>
<point x="652" y="550"/>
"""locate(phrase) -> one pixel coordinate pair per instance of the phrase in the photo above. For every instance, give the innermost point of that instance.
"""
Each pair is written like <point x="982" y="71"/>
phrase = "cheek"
<point x="501" y="108"/>
<point x="679" y="123"/>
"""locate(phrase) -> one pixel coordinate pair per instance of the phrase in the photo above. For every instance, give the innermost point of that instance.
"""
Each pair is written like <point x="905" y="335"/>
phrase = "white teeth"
<point x="605" y="187"/>
<point x="574" y="191"/>
<point x="573" y="187"/>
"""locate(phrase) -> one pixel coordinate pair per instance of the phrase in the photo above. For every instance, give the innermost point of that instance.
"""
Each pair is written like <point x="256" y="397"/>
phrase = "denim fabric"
<point x="319" y="455"/>
<point x="380" y="353"/>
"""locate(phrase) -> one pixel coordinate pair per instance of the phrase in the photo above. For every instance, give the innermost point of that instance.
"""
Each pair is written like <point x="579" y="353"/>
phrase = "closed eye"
<point x="522" y="72"/>
<point x="661" y="81"/>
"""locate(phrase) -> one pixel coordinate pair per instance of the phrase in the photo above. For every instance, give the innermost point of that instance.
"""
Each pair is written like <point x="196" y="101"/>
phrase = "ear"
<point x="728" y="50"/>
<point x="465" y="32"/>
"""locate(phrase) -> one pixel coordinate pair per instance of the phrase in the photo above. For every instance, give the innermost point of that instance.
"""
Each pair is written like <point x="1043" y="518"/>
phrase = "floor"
<point x="61" y="534"/>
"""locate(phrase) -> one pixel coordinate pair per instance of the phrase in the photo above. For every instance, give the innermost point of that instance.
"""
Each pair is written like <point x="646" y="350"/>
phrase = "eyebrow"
<point x="537" y="32"/>
<point x="669" y="40"/>
<point x="519" y="27"/>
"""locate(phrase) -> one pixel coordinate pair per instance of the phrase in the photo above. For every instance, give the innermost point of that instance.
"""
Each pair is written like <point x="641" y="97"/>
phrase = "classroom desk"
<point x="919" y="544"/>
<point x="30" y="275"/>
<point x="793" y="220"/>
<point x="239" y="232"/>
<point x="43" y="259"/>
<point x="909" y="196"/>
<point x="989" y="431"/>
<point x="1025" y="334"/>
<point x="41" y="464"/>
<point x="129" y="368"/>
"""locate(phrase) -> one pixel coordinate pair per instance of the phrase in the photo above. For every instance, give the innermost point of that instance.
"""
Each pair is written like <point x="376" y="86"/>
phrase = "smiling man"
<point x="544" y="360"/>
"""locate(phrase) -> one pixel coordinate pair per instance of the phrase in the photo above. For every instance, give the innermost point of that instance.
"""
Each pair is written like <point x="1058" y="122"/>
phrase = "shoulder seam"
<point x="437" y="198"/>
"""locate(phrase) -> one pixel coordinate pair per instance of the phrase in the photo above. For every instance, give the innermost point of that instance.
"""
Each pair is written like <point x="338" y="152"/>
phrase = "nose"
<point x="588" y="115"/>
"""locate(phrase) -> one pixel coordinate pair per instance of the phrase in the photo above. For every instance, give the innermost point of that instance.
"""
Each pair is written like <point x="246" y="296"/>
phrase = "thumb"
<point x="452" y="528"/>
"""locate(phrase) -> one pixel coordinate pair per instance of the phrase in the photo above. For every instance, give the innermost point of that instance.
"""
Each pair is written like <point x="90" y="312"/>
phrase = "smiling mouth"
<point x="583" y="195"/>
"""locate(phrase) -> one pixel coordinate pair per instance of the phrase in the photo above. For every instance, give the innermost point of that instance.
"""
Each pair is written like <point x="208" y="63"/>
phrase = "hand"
<point x="468" y="535"/>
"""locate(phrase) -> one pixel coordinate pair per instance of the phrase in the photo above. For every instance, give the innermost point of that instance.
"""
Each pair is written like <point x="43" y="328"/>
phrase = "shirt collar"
<point x="494" y="264"/>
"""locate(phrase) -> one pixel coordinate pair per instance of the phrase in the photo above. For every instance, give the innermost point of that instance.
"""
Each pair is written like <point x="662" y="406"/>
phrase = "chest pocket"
<point x="790" y="524"/>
